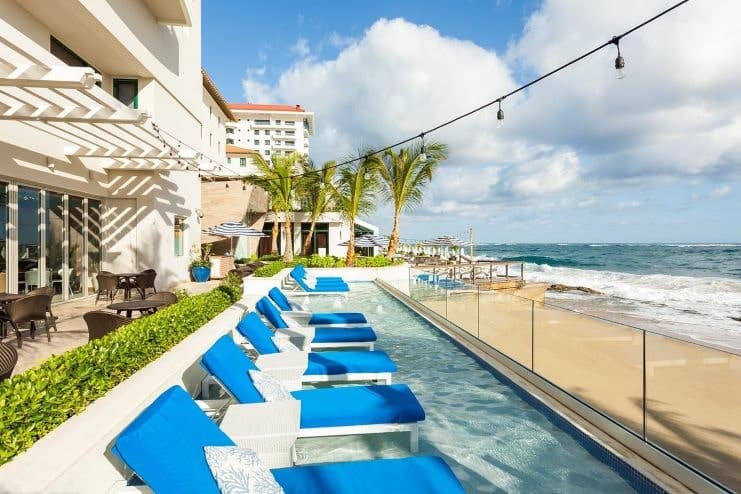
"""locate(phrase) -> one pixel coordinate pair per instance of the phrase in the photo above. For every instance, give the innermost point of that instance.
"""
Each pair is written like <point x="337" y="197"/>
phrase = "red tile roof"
<point x="254" y="106"/>
<point x="231" y="149"/>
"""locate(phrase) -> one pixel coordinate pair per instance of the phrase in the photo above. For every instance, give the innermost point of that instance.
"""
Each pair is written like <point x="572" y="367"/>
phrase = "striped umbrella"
<point x="445" y="241"/>
<point x="368" y="240"/>
<point x="233" y="229"/>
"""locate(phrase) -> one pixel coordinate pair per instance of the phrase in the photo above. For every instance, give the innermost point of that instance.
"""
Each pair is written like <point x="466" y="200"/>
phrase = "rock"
<point x="567" y="288"/>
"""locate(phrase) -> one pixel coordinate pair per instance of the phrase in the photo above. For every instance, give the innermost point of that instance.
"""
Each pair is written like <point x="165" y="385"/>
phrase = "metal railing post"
<point x="532" y="335"/>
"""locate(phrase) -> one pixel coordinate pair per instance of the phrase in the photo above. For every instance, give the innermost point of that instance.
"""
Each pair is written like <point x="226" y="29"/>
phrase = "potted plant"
<point x="200" y="266"/>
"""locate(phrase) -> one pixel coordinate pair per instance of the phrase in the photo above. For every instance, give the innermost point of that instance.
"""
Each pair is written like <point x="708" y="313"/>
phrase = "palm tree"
<point x="277" y="179"/>
<point x="404" y="176"/>
<point x="355" y="191"/>
<point x="315" y="189"/>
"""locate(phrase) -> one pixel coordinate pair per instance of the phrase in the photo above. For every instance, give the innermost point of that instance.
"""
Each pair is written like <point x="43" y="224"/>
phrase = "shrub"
<point x="317" y="261"/>
<point x="35" y="402"/>
<point x="270" y="269"/>
<point x="270" y="257"/>
<point x="374" y="262"/>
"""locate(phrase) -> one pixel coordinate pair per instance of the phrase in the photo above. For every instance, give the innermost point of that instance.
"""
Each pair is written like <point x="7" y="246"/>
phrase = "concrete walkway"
<point x="72" y="331"/>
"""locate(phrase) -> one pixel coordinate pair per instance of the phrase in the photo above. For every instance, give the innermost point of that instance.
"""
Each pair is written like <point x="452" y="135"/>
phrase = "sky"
<point x="582" y="157"/>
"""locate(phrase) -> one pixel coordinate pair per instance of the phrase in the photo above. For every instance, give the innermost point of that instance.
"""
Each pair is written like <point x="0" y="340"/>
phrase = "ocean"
<point x="692" y="290"/>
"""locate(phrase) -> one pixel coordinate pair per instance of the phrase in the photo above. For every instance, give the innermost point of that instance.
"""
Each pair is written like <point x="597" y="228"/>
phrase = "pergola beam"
<point x="30" y="75"/>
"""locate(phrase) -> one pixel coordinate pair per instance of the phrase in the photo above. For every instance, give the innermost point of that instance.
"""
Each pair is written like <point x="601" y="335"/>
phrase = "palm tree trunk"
<point x="288" y="252"/>
<point x="307" y="240"/>
<point x="394" y="238"/>
<point x="350" y="259"/>
<point x="274" y="235"/>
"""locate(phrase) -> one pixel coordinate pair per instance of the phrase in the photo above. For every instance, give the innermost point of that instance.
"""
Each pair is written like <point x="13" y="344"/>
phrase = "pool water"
<point x="493" y="439"/>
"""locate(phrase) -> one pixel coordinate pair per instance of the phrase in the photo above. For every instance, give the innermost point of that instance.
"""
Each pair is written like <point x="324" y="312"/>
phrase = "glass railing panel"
<point x="693" y="405"/>
<point x="505" y="323"/>
<point x="597" y="361"/>
<point x="462" y="306"/>
<point x="425" y="289"/>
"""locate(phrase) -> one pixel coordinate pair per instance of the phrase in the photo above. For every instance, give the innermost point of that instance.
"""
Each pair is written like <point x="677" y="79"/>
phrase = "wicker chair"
<point x="100" y="323"/>
<point x="28" y="309"/>
<point x="145" y="281"/>
<point x="50" y="292"/>
<point x="108" y="286"/>
<point x="8" y="359"/>
<point x="168" y="298"/>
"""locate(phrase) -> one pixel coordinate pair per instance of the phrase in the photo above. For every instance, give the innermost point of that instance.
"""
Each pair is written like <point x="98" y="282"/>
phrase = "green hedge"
<point x="316" y="261"/>
<point x="35" y="402"/>
<point x="375" y="262"/>
<point x="271" y="269"/>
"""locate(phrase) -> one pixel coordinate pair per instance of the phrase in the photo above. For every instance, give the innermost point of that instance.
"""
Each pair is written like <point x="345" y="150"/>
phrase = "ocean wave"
<point x="702" y="245"/>
<point x="545" y="260"/>
<point x="711" y="297"/>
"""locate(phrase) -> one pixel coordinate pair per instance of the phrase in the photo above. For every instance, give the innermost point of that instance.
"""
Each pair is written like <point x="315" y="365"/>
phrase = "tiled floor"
<point x="72" y="331"/>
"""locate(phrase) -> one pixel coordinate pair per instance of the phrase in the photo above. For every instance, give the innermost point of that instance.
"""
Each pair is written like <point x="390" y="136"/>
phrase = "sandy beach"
<point x="692" y="398"/>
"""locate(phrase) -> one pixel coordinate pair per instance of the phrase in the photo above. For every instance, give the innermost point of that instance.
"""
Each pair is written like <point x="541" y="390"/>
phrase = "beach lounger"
<point x="301" y="270"/>
<point x="303" y="317"/>
<point x="323" y="288"/>
<point x="342" y="411"/>
<point x="165" y="444"/>
<point x="344" y="366"/>
<point x="318" y="337"/>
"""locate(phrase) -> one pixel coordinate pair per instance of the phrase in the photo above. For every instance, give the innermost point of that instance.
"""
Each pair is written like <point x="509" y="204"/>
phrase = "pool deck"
<point x="72" y="331"/>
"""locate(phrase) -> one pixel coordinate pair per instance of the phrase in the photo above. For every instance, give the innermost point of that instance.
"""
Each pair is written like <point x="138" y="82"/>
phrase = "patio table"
<point x="143" y="306"/>
<point x="6" y="298"/>
<point x="129" y="280"/>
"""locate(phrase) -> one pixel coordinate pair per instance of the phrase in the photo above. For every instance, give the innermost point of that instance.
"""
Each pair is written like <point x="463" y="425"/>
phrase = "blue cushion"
<point x="265" y="307"/>
<point x="358" y="405"/>
<point x="279" y="298"/>
<point x="320" y="287"/>
<point x="417" y="475"/>
<point x="328" y="363"/>
<point x="301" y="271"/>
<point x="344" y="335"/>
<point x="164" y="445"/>
<point x="228" y="363"/>
<point x="258" y="334"/>
<point x="337" y="318"/>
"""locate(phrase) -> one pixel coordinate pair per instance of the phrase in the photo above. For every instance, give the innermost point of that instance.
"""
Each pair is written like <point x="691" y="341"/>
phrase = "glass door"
<point x="55" y="235"/>
<point x="93" y="244"/>
<point x="28" y="239"/>
<point x="3" y="237"/>
<point x="76" y="245"/>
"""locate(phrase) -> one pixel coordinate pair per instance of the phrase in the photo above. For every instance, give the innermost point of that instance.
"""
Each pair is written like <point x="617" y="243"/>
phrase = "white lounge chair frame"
<point x="259" y="414"/>
<point x="302" y="337"/>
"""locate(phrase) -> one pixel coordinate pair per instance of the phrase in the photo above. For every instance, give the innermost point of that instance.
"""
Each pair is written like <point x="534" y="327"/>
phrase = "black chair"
<point x="28" y="309"/>
<point x="145" y="281"/>
<point x="50" y="292"/>
<point x="100" y="323"/>
<point x="8" y="359"/>
<point x="108" y="285"/>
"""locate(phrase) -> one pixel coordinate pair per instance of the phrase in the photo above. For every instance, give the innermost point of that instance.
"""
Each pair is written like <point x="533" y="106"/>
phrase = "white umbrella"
<point x="367" y="240"/>
<point x="233" y="229"/>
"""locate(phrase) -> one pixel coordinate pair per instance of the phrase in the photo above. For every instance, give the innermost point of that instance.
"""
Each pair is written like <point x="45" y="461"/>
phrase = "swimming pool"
<point x="494" y="440"/>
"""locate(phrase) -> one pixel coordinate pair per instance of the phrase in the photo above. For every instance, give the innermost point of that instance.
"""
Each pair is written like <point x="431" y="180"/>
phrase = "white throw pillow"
<point x="240" y="471"/>
<point x="269" y="387"/>
<point x="285" y="345"/>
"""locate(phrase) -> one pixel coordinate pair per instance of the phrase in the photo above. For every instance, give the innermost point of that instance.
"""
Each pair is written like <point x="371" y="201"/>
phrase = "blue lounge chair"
<point x="164" y="447"/>
<point x="325" y="411"/>
<point x="345" y="366"/>
<point x="301" y="270"/>
<point x="320" y="337"/>
<point x="324" y="288"/>
<point x="314" y="318"/>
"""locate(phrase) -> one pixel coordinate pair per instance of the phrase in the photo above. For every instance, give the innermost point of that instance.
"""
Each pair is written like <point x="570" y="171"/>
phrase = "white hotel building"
<point x="105" y="116"/>
<point x="270" y="129"/>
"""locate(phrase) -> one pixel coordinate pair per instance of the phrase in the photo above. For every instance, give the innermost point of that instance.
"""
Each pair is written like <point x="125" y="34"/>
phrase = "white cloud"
<point x="301" y="47"/>
<point x="720" y="191"/>
<point x="581" y="133"/>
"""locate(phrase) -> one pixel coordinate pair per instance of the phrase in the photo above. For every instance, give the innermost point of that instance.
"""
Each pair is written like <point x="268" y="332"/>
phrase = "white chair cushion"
<point x="240" y="471"/>
<point x="269" y="387"/>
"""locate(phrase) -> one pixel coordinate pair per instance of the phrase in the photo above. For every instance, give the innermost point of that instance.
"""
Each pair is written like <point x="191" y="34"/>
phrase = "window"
<point x="76" y="246"/>
<point x="127" y="92"/>
<point x="266" y="142"/>
<point x="28" y="238"/>
<point x="228" y="161"/>
<point x="242" y="162"/>
<point x="179" y="235"/>
<point x="277" y="132"/>
<point x="229" y="140"/>
<point x="256" y="142"/>
<point x="290" y="122"/>
<point x="267" y="132"/>
<point x="210" y="139"/>
<point x="267" y="152"/>
<point x="93" y="240"/>
<point x="290" y="132"/>
<point x="67" y="56"/>
<point x="290" y="143"/>
<point x="262" y="122"/>
<point x="277" y="122"/>
<point x="257" y="132"/>
<point x="230" y="130"/>
<point x="3" y="244"/>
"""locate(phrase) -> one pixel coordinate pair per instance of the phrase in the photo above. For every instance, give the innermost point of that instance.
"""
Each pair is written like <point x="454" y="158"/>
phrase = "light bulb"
<point x="500" y="118"/>
<point x="423" y="155"/>
<point x="620" y="67"/>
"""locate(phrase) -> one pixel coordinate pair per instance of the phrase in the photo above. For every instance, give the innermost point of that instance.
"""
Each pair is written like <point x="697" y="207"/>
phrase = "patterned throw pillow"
<point x="284" y="345"/>
<point x="240" y="471"/>
<point x="269" y="387"/>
